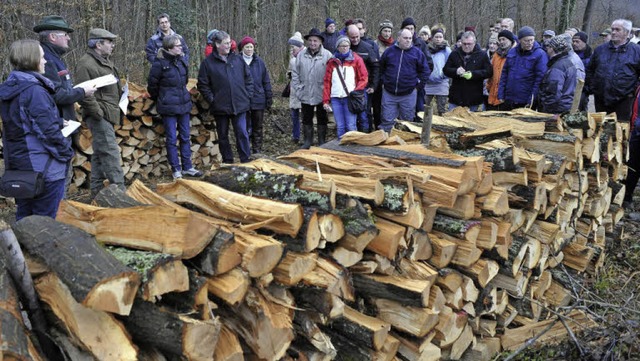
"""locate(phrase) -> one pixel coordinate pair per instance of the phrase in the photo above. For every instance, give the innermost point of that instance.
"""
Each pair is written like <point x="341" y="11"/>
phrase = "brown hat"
<point x="101" y="34"/>
<point x="53" y="22"/>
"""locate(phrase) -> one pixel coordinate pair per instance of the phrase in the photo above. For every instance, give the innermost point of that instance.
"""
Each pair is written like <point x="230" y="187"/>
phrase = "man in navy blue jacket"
<point x="403" y="68"/>
<point x="613" y="71"/>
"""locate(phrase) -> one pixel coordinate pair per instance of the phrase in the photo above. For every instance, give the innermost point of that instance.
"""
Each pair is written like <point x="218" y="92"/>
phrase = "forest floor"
<point x="611" y="297"/>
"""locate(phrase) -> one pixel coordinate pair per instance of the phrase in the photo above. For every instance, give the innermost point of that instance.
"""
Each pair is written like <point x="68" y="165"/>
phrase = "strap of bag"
<point x="344" y="85"/>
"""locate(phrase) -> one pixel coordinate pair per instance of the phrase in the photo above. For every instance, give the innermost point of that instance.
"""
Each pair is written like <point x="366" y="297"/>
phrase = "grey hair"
<point x="169" y="41"/>
<point x="468" y="34"/>
<point x="218" y="37"/>
<point x="626" y="24"/>
<point x="43" y="36"/>
<point x="92" y="43"/>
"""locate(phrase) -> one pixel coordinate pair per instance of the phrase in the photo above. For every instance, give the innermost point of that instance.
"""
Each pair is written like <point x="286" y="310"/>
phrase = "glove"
<point x="467" y="75"/>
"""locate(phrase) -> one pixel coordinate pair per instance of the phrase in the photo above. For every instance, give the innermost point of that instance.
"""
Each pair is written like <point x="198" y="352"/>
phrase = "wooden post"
<point x="426" y="125"/>
<point x="577" y="94"/>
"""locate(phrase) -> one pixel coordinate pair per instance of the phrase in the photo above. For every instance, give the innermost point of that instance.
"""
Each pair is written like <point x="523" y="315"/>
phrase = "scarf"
<point x="502" y="52"/>
<point x="340" y="56"/>
<point x="387" y="42"/>
<point x="247" y="59"/>
<point x="436" y="48"/>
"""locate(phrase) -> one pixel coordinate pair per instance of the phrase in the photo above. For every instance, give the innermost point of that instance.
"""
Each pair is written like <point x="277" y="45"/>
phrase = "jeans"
<point x="44" y="205"/>
<point x="472" y="108"/>
<point x="441" y="103"/>
<point x="397" y="107"/>
<point x="363" y="123"/>
<point x="295" y="123"/>
<point x="239" y="123"/>
<point x="345" y="120"/>
<point x="181" y="123"/>
<point x="106" y="158"/>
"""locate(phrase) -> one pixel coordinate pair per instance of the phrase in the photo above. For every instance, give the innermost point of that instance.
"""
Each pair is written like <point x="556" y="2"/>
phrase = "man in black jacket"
<point x="370" y="57"/>
<point x="468" y="66"/>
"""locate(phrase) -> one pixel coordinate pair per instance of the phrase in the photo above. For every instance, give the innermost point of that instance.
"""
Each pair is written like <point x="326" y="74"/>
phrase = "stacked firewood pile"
<point x="141" y="139"/>
<point x="374" y="249"/>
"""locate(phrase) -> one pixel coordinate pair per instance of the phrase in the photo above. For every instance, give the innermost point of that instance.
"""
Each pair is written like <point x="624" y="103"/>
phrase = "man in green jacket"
<point x="101" y="111"/>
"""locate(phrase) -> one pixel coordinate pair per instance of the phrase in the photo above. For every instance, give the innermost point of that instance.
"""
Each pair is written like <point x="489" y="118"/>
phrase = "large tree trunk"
<point x="588" y="14"/>
<point x="104" y="283"/>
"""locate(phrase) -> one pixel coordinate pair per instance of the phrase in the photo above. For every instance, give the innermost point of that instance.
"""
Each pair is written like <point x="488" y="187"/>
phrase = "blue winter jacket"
<point x="167" y="84"/>
<point x="438" y="83"/>
<point x="56" y="70"/>
<point x="558" y="85"/>
<point x="262" y="94"/>
<point x="226" y="85"/>
<point x="154" y="44"/>
<point x="32" y="126"/>
<point x="612" y="74"/>
<point x="403" y="70"/>
<point x="522" y="73"/>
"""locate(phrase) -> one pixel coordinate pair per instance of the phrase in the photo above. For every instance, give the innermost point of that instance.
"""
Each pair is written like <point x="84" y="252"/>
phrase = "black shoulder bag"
<point x="355" y="99"/>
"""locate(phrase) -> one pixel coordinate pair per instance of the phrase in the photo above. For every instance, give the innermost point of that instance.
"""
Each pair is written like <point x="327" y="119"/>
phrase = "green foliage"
<point x="140" y="261"/>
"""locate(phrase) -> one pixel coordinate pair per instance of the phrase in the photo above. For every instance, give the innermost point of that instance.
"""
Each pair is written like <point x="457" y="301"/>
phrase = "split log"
<point x="96" y="331"/>
<point x="194" y="301"/>
<point x="467" y="230"/>
<point x="114" y="196"/>
<point x="403" y="290"/>
<point x="366" y="330"/>
<point x="228" y="347"/>
<point x="305" y="326"/>
<point x="160" y="273"/>
<point x="230" y="287"/>
<point x="460" y="140"/>
<point x="418" y="349"/>
<point x="102" y="284"/>
<point x="318" y="299"/>
<point x="355" y="137"/>
<point x="219" y="256"/>
<point x="501" y="159"/>
<point x="275" y="216"/>
<point x="450" y="325"/>
<point x="151" y="228"/>
<point x="417" y="321"/>
<point x="266" y="326"/>
<point x="359" y="228"/>
<point x="576" y="320"/>
<point x="443" y="251"/>
<point x="331" y="277"/>
<point x="390" y="237"/>
<point x="293" y="267"/>
<point x="482" y="271"/>
<point x="187" y="337"/>
<point x="16" y="344"/>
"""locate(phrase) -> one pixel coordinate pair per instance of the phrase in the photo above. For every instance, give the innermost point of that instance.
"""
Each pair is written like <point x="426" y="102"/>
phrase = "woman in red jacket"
<point x="354" y="73"/>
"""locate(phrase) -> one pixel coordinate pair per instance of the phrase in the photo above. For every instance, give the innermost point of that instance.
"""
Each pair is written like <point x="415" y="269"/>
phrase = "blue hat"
<point x="328" y="22"/>
<point x="526" y="31"/>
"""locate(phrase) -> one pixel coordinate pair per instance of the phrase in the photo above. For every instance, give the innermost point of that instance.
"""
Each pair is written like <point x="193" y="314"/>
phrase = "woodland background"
<point x="272" y="22"/>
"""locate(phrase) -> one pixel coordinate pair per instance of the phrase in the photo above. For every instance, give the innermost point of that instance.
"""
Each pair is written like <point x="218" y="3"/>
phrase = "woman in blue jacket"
<point x="167" y="85"/>
<point x="262" y="95"/>
<point x="32" y="126"/>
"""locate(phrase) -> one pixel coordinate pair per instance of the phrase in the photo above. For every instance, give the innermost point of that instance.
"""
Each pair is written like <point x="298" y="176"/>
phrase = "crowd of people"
<point x="394" y="74"/>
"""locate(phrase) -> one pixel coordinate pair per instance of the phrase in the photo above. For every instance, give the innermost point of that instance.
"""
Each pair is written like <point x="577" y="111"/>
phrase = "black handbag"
<point x="22" y="184"/>
<point x="355" y="99"/>
<point x="286" y="92"/>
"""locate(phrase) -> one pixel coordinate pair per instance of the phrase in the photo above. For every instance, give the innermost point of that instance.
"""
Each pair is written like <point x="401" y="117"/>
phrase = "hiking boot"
<point x="192" y="172"/>
<point x="177" y="175"/>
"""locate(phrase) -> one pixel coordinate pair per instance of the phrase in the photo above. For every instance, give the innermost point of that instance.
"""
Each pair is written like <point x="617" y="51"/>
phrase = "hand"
<point x="89" y="90"/>
<point x="460" y="71"/>
<point x="327" y="107"/>
<point x="370" y="90"/>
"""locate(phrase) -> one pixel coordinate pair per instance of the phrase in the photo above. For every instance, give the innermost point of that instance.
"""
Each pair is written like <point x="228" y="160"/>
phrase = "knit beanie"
<point x="506" y="34"/>
<point x="408" y="21"/>
<point x="296" y="40"/>
<point x="434" y="32"/>
<point x="582" y="35"/>
<point x="247" y="40"/>
<point x="328" y="22"/>
<point x="526" y="31"/>
<point x="425" y="30"/>
<point x="470" y="28"/>
<point x="385" y="24"/>
<point x="559" y="43"/>
<point x="342" y="39"/>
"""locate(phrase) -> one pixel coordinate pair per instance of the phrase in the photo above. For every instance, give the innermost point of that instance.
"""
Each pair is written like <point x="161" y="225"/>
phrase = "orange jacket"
<point x="497" y="62"/>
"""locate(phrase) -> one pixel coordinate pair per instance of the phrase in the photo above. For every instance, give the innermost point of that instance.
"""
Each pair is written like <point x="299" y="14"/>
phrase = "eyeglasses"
<point x="62" y="35"/>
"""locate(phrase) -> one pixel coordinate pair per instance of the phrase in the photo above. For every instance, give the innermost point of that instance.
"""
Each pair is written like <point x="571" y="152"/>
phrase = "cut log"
<point x="502" y="159"/>
<point x="418" y="245"/>
<point x="258" y="213"/>
<point x="482" y="271"/>
<point x="366" y="330"/>
<point x="359" y="228"/>
<point x="318" y="299"/>
<point x="160" y="273"/>
<point x="306" y="327"/>
<point x="413" y="349"/>
<point x="467" y="230"/>
<point x="228" y="347"/>
<point x="114" y="196"/>
<point x="265" y="326"/>
<point x="390" y="237"/>
<point x="293" y="267"/>
<point x="187" y="337"/>
<point x="230" y="287"/>
<point x="16" y="344"/>
<point x="403" y="290"/>
<point x="220" y="256"/>
<point x="96" y="331"/>
<point x="194" y="301"/>
<point x="332" y="277"/>
<point x="576" y="321"/>
<point x="463" y="208"/>
<point x="443" y="251"/>
<point x="150" y="228"/>
<point x="355" y="137"/>
<point x="103" y="284"/>
<point x="417" y="321"/>
<point x="449" y="327"/>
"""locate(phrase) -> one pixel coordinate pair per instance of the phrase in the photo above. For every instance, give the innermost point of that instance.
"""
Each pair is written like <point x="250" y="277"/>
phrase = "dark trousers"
<point x="633" y="173"/>
<point x="622" y="108"/>
<point x="376" y="103"/>
<point x="44" y="205"/>
<point x="255" y="121"/>
<point x="239" y="123"/>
